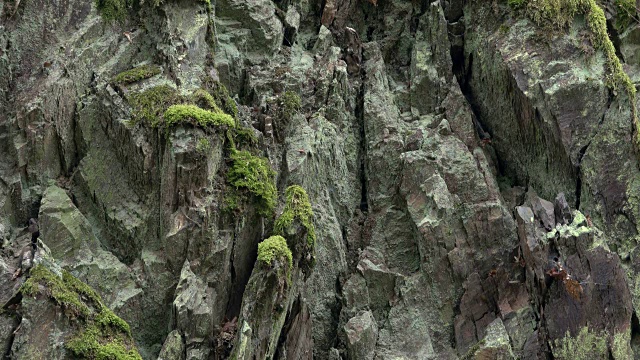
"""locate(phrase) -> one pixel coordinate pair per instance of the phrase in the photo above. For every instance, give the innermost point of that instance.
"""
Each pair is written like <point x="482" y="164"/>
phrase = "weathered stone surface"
<point x="561" y="210"/>
<point x="8" y="324"/>
<point x="420" y="127"/>
<point x="362" y="334"/>
<point x="193" y="308"/>
<point x="173" y="347"/>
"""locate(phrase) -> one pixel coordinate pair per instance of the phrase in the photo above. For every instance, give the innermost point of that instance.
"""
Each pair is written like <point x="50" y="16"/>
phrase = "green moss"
<point x="626" y="13"/>
<point x="558" y="14"/>
<point x="291" y="104"/>
<point x="254" y="174"/>
<point x="56" y="288"/>
<point x="297" y="207"/>
<point x="587" y="344"/>
<point x="112" y="10"/>
<point x="203" y="99"/>
<point x="107" y="319"/>
<point x="180" y="114"/>
<point x="203" y="145"/>
<point x="102" y="334"/>
<point x="136" y="74"/>
<point x="245" y="137"/>
<point x="94" y="343"/>
<point x="149" y="105"/>
<point x="517" y="4"/>
<point x="221" y="96"/>
<point x="275" y="248"/>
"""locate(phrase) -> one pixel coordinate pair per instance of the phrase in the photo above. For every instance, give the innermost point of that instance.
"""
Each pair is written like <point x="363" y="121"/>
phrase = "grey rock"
<point x="173" y="347"/>
<point x="362" y="334"/>
<point x="562" y="211"/>
<point x="193" y="308"/>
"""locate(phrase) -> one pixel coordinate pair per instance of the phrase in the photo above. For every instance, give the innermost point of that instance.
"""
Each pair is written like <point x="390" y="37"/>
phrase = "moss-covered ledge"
<point x="101" y="334"/>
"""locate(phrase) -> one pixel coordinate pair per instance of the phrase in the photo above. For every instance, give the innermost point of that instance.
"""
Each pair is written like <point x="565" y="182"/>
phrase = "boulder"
<point x="362" y="334"/>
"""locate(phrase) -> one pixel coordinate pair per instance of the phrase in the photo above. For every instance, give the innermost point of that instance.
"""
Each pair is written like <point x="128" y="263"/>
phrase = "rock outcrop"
<point x="268" y="179"/>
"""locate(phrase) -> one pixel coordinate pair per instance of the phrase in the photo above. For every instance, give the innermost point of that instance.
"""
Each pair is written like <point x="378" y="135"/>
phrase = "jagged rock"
<point x="61" y="317"/>
<point x="381" y="282"/>
<point x="193" y="309"/>
<point x="291" y="24"/>
<point x="265" y="302"/>
<point x="8" y="325"/>
<point x="495" y="344"/>
<point x="430" y="62"/>
<point x="562" y="210"/>
<point x="543" y="211"/>
<point x="68" y="234"/>
<point x="362" y="334"/>
<point x="298" y="341"/>
<point x="173" y="347"/>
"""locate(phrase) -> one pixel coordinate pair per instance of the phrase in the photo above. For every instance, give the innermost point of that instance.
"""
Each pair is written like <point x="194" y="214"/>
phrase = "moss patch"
<point x="253" y="173"/>
<point x="136" y="74"/>
<point x="61" y="291"/>
<point x="112" y="10"/>
<point x="291" y="104"/>
<point x="221" y="96"/>
<point x="275" y="248"/>
<point x="149" y="105"/>
<point x="297" y="207"/>
<point x="102" y="335"/>
<point x="626" y="14"/>
<point x="205" y="100"/>
<point x="181" y="114"/>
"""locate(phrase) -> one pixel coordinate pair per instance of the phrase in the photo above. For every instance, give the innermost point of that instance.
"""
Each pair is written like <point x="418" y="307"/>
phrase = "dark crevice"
<point x="359" y="112"/>
<point x="583" y="150"/>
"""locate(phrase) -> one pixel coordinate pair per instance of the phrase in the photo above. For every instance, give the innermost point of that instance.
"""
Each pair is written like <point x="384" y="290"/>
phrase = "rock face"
<point x="268" y="179"/>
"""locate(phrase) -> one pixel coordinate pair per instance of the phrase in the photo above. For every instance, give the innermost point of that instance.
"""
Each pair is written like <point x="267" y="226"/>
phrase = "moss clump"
<point x="112" y="10"/>
<point x="180" y="114"/>
<point x="291" y="104"/>
<point x="95" y="343"/>
<point x="517" y="4"/>
<point x="626" y="13"/>
<point x="57" y="289"/>
<point x="136" y="74"/>
<point x="243" y="136"/>
<point x="559" y="14"/>
<point x="297" y="207"/>
<point x="203" y="145"/>
<point x="103" y="334"/>
<point x="221" y="96"/>
<point x="254" y="174"/>
<point x="149" y="105"/>
<point x="587" y="344"/>
<point x="275" y="248"/>
<point x="203" y="99"/>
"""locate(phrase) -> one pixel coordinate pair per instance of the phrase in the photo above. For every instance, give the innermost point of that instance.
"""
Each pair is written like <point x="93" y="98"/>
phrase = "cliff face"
<point x="467" y="179"/>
